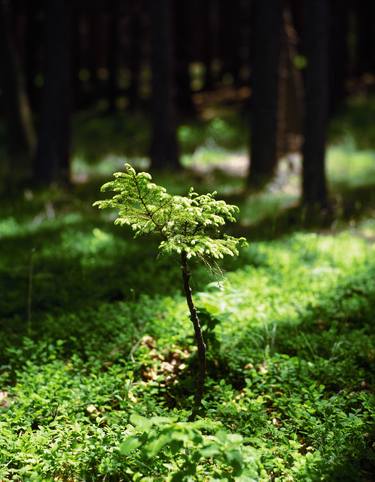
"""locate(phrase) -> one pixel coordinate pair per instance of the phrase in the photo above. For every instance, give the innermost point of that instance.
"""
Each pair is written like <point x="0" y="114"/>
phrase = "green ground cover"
<point x="97" y="343"/>
<point x="97" y="348"/>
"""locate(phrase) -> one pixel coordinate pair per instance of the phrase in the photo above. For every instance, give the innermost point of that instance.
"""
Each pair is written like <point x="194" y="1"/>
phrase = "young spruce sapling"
<point x="189" y="226"/>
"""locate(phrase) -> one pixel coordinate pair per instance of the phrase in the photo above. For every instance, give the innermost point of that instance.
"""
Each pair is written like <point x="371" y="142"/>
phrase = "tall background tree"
<point x="200" y="53"/>
<point x="316" y="45"/>
<point x="14" y="100"/>
<point x="264" y="103"/>
<point x="164" y="145"/>
<point x="53" y="151"/>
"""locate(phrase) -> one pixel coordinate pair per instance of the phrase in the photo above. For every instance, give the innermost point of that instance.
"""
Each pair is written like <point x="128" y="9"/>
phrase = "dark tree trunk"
<point x="183" y="28"/>
<point x="13" y="98"/>
<point x="316" y="43"/>
<point x="135" y="54"/>
<point x="77" y="92"/>
<point x="164" y="146"/>
<point x="290" y="104"/>
<point x="113" y="55"/>
<point x="33" y="51"/>
<point x="231" y="31"/>
<point x="339" y="33"/>
<point x="365" y="10"/>
<point x="210" y="48"/>
<point x="95" y="53"/>
<point x="52" y="158"/>
<point x="266" y="55"/>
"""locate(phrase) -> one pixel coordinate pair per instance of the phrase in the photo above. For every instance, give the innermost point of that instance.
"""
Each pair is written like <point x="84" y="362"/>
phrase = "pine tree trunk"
<point x="135" y="54"/>
<point x="365" y="13"/>
<point x="339" y="51"/>
<point x="210" y="34"/>
<point x="314" y="190"/>
<point x="183" y="28"/>
<point x="15" y="105"/>
<point x="164" y="146"/>
<point x="113" y="55"/>
<point x="290" y="94"/>
<point x="230" y="46"/>
<point x="52" y="158"/>
<point x="33" y="42"/>
<point x="266" y="55"/>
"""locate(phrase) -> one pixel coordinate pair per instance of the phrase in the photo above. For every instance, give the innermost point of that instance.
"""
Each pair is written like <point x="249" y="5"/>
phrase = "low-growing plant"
<point x="199" y="450"/>
<point x="189" y="226"/>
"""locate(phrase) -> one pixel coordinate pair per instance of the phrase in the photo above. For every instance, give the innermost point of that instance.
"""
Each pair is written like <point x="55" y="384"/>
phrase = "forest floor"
<point x="98" y="352"/>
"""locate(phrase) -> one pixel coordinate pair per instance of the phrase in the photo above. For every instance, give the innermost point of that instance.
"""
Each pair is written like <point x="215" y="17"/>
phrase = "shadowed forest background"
<point x="271" y="103"/>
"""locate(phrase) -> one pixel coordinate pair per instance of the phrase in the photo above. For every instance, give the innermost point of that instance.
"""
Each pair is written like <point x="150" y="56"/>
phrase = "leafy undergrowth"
<point x="98" y="351"/>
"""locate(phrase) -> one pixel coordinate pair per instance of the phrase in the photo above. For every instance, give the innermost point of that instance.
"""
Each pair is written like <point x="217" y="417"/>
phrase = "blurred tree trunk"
<point x="76" y="62"/>
<point x="183" y="29"/>
<point x="210" y="48"/>
<point x="290" y="94"/>
<point x="33" y="44"/>
<point x="113" y="55"/>
<point x="15" y="105"/>
<point x="316" y="43"/>
<point x="164" y="145"/>
<point x="365" y="13"/>
<point x="95" y="53"/>
<point x="135" y="53"/>
<point x="52" y="157"/>
<point x="230" y="38"/>
<point x="266" y="56"/>
<point x="339" y="38"/>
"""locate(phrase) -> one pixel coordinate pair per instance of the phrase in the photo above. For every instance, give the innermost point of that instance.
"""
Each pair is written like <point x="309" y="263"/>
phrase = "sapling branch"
<point x="189" y="226"/>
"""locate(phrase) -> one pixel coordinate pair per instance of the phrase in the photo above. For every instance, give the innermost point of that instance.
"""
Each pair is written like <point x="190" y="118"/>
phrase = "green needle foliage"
<point x="190" y="226"/>
<point x="186" y="223"/>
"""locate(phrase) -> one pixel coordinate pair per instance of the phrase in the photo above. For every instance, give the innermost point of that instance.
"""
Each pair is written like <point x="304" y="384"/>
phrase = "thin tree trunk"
<point x="314" y="189"/>
<point x="267" y="46"/>
<point x="113" y="55"/>
<point x="230" y="38"/>
<point x="21" y="137"/>
<point x="135" y="54"/>
<point x="52" y="158"/>
<point x="290" y="105"/>
<point x="201" y="346"/>
<point x="164" y="146"/>
<point x="365" y="13"/>
<point x="339" y="39"/>
<point x="32" y="48"/>
<point x="77" y="84"/>
<point x="183" y="28"/>
<point x="209" y="43"/>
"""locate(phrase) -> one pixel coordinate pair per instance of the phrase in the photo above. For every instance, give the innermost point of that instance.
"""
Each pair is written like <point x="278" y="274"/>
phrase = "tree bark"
<point x="135" y="54"/>
<point x="52" y="158"/>
<point x="365" y="16"/>
<point x="339" y="46"/>
<point x="20" y="132"/>
<point x="316" y="28"/>
<point x="230" y="38"/>
<point x="290" y="93"/>
<point x="201" y="346"/>
<point x="113" y="55"/>
<point x="267" y="45"/>
<point x="164" y="146"/>
<point x="33" y="42"/>
<point x="183" y="28"/>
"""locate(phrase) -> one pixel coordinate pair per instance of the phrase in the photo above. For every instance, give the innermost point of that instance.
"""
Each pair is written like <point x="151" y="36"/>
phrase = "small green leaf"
<point x="140" y="422"/>
<point x="129" y="445"/>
